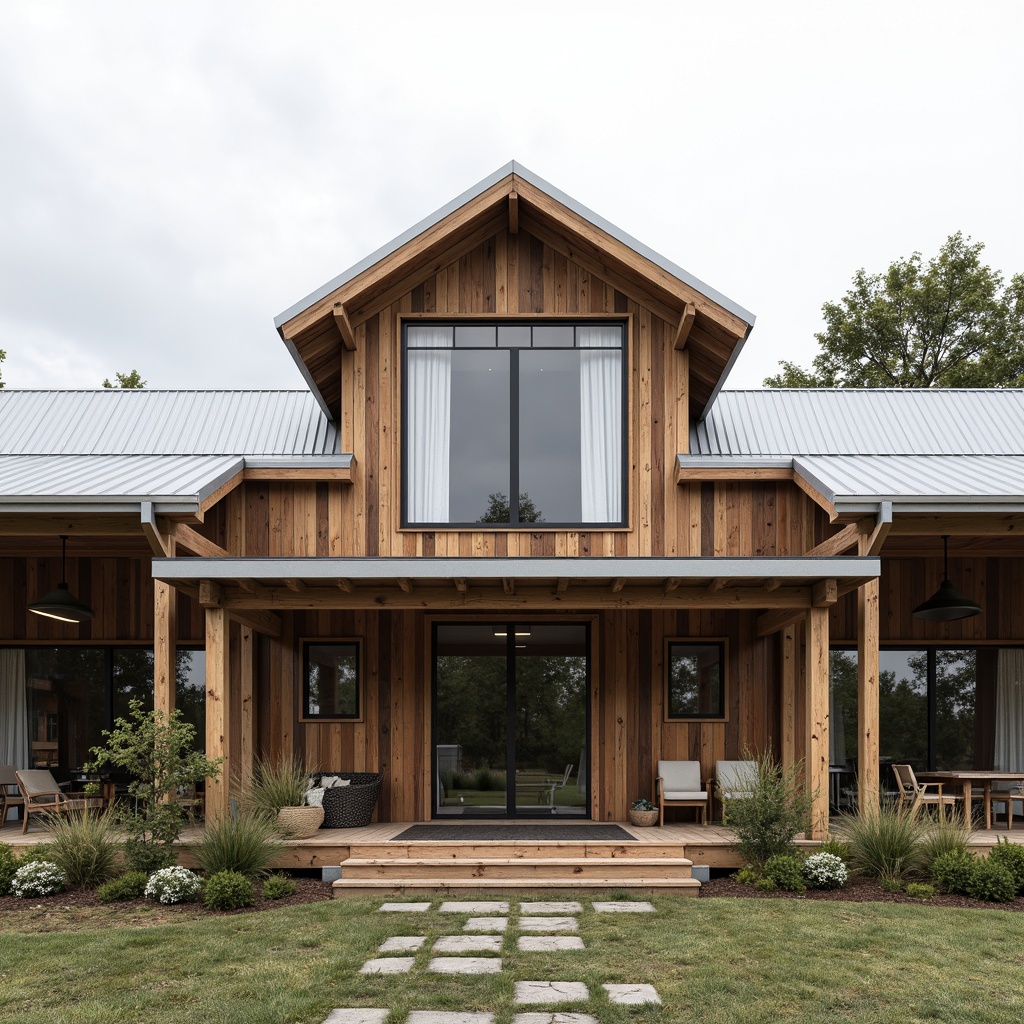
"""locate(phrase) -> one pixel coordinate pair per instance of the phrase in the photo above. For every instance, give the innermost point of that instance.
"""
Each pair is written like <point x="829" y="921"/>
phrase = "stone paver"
<point x="550" y="992"/>
<point x="485" y="924"/>
<point x="548" y="924"/>
<point x="448" y="1017"/>
<point x="632" y="995"/>
<point x="405" y="908"/>
<point x="402" y="944"/>
<point x="624" y="907"/>
<point x="363" y="1016"/>
<point x="465" y="965"/>
<point x="554" y="1018"/>
<point x="468" y="944"/>
<point x="549" y="943"/>
<point x="469" y="907"/>
<point x="567" y="907"/>
<point x="388" y="965"/>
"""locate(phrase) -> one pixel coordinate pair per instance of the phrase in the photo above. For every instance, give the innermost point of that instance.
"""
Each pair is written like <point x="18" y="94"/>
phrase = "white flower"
<point x="825" y="871"/>
<point x="38" y="878"/>
<point x="173" y="885"/>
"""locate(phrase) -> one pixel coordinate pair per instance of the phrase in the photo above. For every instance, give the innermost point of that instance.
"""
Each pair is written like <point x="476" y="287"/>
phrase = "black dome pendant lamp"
<point x="947" y="603"/>
<point x="61" y="604"/>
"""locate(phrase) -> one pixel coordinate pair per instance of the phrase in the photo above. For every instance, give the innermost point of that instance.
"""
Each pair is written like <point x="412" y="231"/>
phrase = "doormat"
<point x="527" y="833"/>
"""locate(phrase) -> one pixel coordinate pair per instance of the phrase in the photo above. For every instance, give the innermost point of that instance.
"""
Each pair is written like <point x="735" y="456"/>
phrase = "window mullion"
<point x="513" y="475"/>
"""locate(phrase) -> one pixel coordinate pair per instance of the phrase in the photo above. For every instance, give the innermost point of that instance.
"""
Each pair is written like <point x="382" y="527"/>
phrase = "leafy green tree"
<point x="499" y="511"/>
<point x="131" y="381"/>
<point x="949" y="322"/>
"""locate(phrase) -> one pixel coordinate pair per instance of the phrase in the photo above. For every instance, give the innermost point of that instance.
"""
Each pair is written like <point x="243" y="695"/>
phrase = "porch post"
<point x="165" y="632"/>
<point x="248" y="666"/>
<point x="816" y="654"/>
<point x="788" y="702"/>
<point x="867" y="692"/>
<point x="218" y="709"/>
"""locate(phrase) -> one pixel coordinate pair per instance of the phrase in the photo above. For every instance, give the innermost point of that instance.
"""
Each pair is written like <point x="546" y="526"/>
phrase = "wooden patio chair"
<point x="42" y="794"/>
<point x="734" y="781"/>
<point x="10" y="795"/>
<point x="678" y="784"/>
<point x="1004" y="796"/>
<point x="920" y="794"/>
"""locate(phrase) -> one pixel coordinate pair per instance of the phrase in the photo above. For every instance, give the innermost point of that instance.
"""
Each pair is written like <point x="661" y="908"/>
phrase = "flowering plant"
<point x="825" y="871"/>
<point x="174" y="885"/>
<point x="643" y="805"/>
<point x="37" y="878"/>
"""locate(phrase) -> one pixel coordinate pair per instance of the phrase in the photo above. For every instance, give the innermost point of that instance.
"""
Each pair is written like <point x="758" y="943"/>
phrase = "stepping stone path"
<point x="538" y="917"/>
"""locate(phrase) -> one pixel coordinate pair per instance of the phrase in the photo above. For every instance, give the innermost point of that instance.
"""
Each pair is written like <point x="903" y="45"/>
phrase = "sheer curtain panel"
<point x="601" y="423"/>
<point x="429" y="367"/>
<point x="13" y="709"/>
<point x="1009" y="744"/>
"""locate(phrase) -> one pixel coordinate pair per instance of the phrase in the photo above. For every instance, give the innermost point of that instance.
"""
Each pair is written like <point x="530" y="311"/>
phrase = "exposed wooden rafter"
<point x="192" y="540"/>
<point x="345" y="586"/>
<point x="405" y="585"/>
<point x="513" y="213"/>
<point x="344" y="325"/>
<point x="618" y="584"/>
<point x="461" y="585"/>
<point x="685" y="325"/>
<point x="845" y="539"/>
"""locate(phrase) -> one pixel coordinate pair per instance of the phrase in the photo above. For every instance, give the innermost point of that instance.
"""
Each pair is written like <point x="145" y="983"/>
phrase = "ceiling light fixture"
<point x="947" y="603"/>
<point x="61" y="604"/>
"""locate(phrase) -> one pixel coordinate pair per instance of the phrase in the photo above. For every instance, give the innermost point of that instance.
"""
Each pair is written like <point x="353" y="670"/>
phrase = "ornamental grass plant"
<point x="947" y="834"/>
<point x="83" y="845"/>
<point x="276" y="783"/>
<point x="247" y="844"/>
<point x="884" y="844"/>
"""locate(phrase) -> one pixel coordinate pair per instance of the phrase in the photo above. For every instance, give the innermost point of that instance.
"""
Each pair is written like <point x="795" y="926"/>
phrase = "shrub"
<point x="765" y="885"/>
<point x="1010" y="856"/>
<point x="37" y="878"/>
<point x="945" y="835"/>
<point x="920" y="890"/>
<point x="884" y="844"/>
<point x="954" y="872"/>
<point x="778" y="809"/>
<point x="836" y="846"/>
<point x="276" y="783"/>
<point x="890" y="885"/>
<point x="276" y="887"/>
<point x="146" y="857"/>
<point x="484" y="780"/>
<point x="82" y="846"/>
<point x="785" y="871"/>
<point x="748" y="875"/>
<point x="246" y="844"/>
<point x="992" y="881"/>
<point x="8" y="865"/>
<point x="228" y="890"/>
<point x="825" y="871"/>
<point x="130" y="886"/>
<point x="173" y="885"/>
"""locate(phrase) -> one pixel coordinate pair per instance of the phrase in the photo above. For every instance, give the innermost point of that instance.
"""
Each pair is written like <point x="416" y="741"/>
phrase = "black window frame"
<point x="529" y="321"/>
<point x="722" y="644"/>
<point x="311" y="642"/>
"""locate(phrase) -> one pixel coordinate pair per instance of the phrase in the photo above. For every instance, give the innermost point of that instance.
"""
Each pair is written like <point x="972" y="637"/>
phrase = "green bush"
<point x="484" y="780"/>
<point x="130" y="886"/>
<point x="1011" y="857"/>
<point x="945" y="835"/>
<point x="778" y="809"/>
<point x="276" y="783"/>
<point x="993" y="882"/>
<point x="920" y="890"/>
<point x="8" y="865"/>
<point x="786" y="871"/>
<point x="228" y="890"/>
<point x="276" y="887"/>
<point x="884" y="844"/>
<point x="146" y="857"/>
<point x="765" y="885"/>
<point x="246" y="844"/>
<point x="748" y="875"/>
<point x="82" y="845"/>
<point x="954" y="872"/>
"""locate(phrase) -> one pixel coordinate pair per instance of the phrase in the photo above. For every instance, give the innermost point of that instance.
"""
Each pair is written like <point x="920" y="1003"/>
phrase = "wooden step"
<point x="517" y="868"/>
<point x="518" y="849"/>
<point x="396" y="886"/>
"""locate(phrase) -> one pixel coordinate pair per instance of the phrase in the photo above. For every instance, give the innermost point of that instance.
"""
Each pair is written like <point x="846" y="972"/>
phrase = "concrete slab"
<point x="468" y="944"/>
<point x="448" y="1017"/>
<point x="485" y="924"/>
<point x="402" y="943"/>
<point x="549" y="943"/>
<point x="624" y="907"/>
<point x="465" y="965"/>
<point x="702" y="872"/>
<point x="405" y="908"/>
<point x="362" y="1016"/>
<point x="632" y="995"/>
<point x="550" y="992"/>
<point x="548" y="924"/>
<point x="470" y="907"/>
<point x="565" y="907"/>
<point x="554" y="1018"/>
<point x="388" y="965"/>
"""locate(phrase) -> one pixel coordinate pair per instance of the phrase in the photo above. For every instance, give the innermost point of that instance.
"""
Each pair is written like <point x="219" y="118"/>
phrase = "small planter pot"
<point x="300" y="822"/>
<point x="642" y="819"/>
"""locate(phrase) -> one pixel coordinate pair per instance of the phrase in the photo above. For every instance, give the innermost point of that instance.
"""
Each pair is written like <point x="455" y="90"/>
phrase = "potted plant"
<point x="643" y="813"/>
<point x="279" y="789"/>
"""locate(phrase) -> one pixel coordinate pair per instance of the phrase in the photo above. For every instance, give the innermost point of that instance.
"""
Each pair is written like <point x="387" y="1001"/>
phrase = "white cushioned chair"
<point x="733" y="781"/>
<point x="678" y="784"/>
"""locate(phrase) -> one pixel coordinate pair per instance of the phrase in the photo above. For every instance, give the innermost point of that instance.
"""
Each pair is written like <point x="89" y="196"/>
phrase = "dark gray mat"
<point x="504" y="833"/>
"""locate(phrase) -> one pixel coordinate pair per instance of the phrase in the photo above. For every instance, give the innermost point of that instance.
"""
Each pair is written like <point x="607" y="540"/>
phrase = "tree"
<point x="131" y="381"/>
<point x="945" y="323"/>
<point x="498" y="510"/>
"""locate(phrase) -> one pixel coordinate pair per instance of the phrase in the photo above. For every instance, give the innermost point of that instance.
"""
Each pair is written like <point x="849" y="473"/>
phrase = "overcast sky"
<point x="172" y="176"/>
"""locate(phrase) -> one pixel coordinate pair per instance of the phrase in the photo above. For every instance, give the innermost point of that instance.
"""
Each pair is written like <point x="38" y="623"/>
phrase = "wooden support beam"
<point x="778" y="618"/>
<point x="562" y="585"/>
<point x="218" y="711"/>
<point x="346" y="586"/>
<point x="618" y="584"/>
<point x="717" y="584"/>
<point x="508" y="585"/>
<point x="249" y="586"/>
<point x="958" y="524"/>
<point x="815" y="495"/>
<point x="295" y="586"/>
<point x="670" y="585"/>
<point x="685" y="325"/>
<point x="405" y="585"/>
<point x="817" y="685"/>
<point x="513" y="213"/>
<point x="247" y="735"/>
<point x="23" y="524"/>
<point x="883" y="524"/>
<point x="165" y="632"/>
<point x="192" y="540"/>
<point x="867" y="692"/>
<point x="344" y="325"/>
<point x="461" y="586"/>
<point x="845" y="539"/>
<point x="267" y="623"/>
<point x="824" y="593"/>
<point x="787" y="703"/>
<point x="210" y="594"/>
<point x="772" y="585"/>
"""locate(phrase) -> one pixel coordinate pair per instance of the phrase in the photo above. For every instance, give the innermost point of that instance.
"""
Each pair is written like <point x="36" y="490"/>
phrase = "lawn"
<point x="712" y="960"/>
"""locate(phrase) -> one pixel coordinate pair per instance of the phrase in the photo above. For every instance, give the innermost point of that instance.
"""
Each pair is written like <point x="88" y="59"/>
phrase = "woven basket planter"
<point x="642" y="819"/>
<point x="351" y="806"/>
<point x="300" y="822"/>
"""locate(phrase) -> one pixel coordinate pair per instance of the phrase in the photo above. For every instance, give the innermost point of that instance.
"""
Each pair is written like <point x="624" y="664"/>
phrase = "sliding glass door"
<point x="511" y="719"/>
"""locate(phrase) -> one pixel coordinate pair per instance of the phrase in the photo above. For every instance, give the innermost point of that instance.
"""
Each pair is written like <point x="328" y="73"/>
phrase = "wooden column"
<point x="248" y="673"/>
<point x="867" y="692"/>
<point x="165" y="636"/>
<point x="218" y="710"/>
<point x="787" y="705"/>
<point x="816" y="653"/>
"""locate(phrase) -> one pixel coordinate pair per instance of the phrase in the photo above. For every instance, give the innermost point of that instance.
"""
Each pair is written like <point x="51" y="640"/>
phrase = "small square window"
<point x="331" y="681"/>
<point x="695" y="679"/>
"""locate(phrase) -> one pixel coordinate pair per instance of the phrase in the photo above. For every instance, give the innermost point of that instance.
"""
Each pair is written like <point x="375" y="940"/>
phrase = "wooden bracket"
<point x="685" y="325"/>
<point x="780" y="618"/>
<point x="717" y="584"/>
<point x="406" y="585"/>
<point x="210" y="594"/>
<point x="195" y="542"/>
<point x="508" y="585"/>
<point x="346" y="586"/>
<point x="619" y="583"/>
<point x="344" y="325"/>
<point x="461" y="586"/>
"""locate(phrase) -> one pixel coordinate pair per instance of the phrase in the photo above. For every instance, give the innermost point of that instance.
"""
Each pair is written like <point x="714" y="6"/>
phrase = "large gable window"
<point x="514" y="423"/>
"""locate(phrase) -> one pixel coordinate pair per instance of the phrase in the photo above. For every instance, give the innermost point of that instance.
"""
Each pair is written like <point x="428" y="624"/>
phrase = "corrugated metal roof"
<point x="862" y="422"/>
<point x="116" y="422"/>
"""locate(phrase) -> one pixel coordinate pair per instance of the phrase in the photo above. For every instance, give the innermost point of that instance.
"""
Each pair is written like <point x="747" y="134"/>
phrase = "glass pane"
<point x="549" y="437"/>
<point x="469" y="726"/>
<point x="480" y="443"/>
<point x="190" y="695"/>
<point x="551" y="719"/>
<point x="956" y="675"/>
<point x="67" y="704"/>
<point x="133" y="679"/>
<point x="902" y="710"/>
<point x="514" y="336"/>
<point x="695" y="681"/>
<point x="842" y="719"/>
<point x="332" y="684"/>
<point x="553" y="336"/>
<point x="475" y="336"/>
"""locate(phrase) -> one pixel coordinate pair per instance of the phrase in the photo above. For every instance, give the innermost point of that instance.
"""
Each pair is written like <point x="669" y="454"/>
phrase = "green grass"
<point x="727" y="961"/>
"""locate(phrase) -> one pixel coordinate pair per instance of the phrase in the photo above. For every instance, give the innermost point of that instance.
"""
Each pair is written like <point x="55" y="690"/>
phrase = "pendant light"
<point x="61" y="604"/>
<point x="947" y="603"/>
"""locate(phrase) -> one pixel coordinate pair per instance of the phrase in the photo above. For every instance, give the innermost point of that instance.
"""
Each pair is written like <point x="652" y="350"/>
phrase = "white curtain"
<point x="13" y="709"/>
<point x="1009" y="744"/>
<point x="429" y="449"/>
<point x="601" y="423"/>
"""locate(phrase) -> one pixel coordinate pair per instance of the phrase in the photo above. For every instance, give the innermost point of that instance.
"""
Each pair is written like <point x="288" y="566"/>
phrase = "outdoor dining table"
<point x="970" y="779"/>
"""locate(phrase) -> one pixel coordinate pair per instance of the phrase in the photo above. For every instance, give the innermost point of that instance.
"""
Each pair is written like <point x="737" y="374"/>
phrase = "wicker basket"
<point x="351" y="806"/>
<point x="642" y="819"/>
<point x="300" y="822"/>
